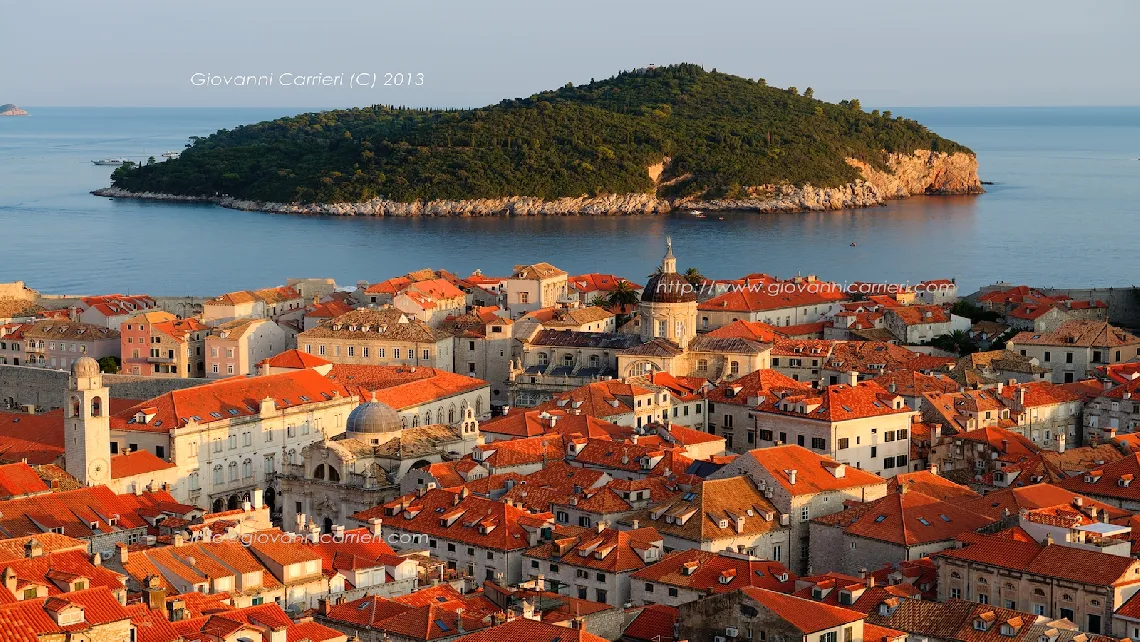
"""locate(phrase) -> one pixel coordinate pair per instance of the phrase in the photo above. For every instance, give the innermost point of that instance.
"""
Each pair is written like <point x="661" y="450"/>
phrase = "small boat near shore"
<point x="170" y="154"/>
<point x="110" y="161"/>
<point x="697" y="214"/>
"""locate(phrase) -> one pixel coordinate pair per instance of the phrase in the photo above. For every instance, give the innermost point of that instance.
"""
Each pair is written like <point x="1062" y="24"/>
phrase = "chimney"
<point x="247" y="506"/>
<point x="852" y="378"/>
<point x="635" y="523"/>
<point x="323" y="606"/>
<point x="893" y="387"/>
<point x="179" y="540"/>
<point x="862" y="573"/>
<point x="459" y="620"/>
<point x="933" y="469"/>
<point x="1021" y="396"/>
<point x="258" y="498"/>
<point x="792" y="476"/>
<point x="314" y="533"/>
<point x="124" y="552"/>
<point x="10" y="579"/>
<point x="601" y="525"/>
<point x="1005" y="445"/>
<point x="97" y="559"/>
<point x="1049" y="539"/>
<point x="154" y="594"/>
<point x="33" y="548"/>
<point x="338" y="532"/>
<point x="375" y="525"/>
<point x="870" y="581"/>
<point x="300" y="525"/>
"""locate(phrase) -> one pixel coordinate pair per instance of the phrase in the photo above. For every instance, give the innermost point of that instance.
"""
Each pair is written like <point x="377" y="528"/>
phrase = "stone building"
<point x="1077" y="348"/>
<point x="234" y="348"/>
<point x="759" y="614"/>
<point x="533" y="287"/>
<point x="1054" y="580"/>
<point x="159" y="344"/>
<point x="594" y="563"/>
<point x="803" y="485"/>
<point x="687" y="575"/>
<point x="905" y="525"/>
<point x="554" y="362"/>
<point x="327" y="481"/>
<point x="379" y="337"/>
<point x="58" y="344"/>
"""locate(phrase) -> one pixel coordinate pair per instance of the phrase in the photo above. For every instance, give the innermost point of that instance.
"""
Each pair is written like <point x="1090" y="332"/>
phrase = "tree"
<point x="694" y="277"/>
<point x="854" y="105"/>
<point x="600" y="301"/>
<point x="974" y="313"/>
<point x="623" y="295"/>
<point x="809" y="93"/>
<point x="109" y="365"/>
<point x="958" y="342"/>
<point x="793" y="91"/>
<point x="150" y="161"/>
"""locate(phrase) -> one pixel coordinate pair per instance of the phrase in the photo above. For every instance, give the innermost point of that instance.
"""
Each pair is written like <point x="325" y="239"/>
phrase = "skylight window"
<point x="442" y="625"/>
<point x="944" y="518"/>
<point x="216" y="415"/>
<point x="233" y="411"/>
<point x="689" y="497"/>
<point x="922" y="520"/>
<point x="880" y="519"/>
<point x="846" y="408"/>
<point x="196" y="418"/>
<point x="304" y="398"/>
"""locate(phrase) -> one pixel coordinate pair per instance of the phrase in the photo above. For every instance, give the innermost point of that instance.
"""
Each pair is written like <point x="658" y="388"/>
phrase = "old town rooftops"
<point x="761" y="384"/>
<point x="808" y="616"/>
<point x="765" y="298"/>
<point x="228" y="399"/>
<point x="402" y="386"/>
<point x="838" y="402"/>
<point x="376" y="324"/>
<point x="712" y="510"/>
<point x="1079" y="333"/>
<point x="599" y="340"/>
<point x="717" y="572"/>
<point x="296" y="359"/>
<point x="68" y="330"/>
<point x="461" y="517"/>
<point x="801" y="472"/>
<point x="603" y="549"/>
<point x="1048" y="560"/>
<point x="871" y="357"/>
<point x="538" y="271"/>
<point x="906" y="518"/>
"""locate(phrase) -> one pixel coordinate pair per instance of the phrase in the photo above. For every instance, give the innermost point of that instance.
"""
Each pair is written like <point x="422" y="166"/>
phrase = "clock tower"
<point x="87" y="434"/>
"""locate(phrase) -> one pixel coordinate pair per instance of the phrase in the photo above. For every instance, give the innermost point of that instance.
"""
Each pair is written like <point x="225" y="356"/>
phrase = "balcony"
<point x="151" y="359"/>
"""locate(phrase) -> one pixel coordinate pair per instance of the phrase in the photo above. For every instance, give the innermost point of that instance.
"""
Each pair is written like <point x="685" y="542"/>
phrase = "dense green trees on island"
<point x="720" y="132"/>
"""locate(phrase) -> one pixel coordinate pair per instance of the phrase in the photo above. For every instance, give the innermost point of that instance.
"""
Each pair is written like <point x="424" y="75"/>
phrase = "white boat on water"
<point x="110" y="161"/>
<point x="697" y="213"/>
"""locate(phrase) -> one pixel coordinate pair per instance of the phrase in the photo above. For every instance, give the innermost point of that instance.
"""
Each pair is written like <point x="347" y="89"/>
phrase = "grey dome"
<point x="85" y="367"/>
<point x="373" y="417"/>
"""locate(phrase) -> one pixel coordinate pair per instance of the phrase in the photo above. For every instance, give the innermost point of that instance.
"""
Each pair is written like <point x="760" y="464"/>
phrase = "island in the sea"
<point x="8" y="109"/>
<point x="642" y="142"/>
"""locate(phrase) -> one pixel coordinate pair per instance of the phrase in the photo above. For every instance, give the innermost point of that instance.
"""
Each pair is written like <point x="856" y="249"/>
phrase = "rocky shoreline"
<point x="923" y="172"/>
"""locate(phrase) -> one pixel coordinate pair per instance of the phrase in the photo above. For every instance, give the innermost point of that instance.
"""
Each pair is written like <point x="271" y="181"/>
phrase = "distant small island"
<point x="11" y="110"/>
<point x="646" y="141"/>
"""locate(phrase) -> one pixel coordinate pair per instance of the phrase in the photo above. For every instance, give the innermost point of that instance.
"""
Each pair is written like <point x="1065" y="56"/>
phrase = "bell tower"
<point x="87" y="434"/>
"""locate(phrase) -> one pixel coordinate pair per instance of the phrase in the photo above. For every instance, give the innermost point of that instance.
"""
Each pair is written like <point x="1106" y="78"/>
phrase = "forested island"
<point x="8" y="109"/>
<point x="644" y="140"/>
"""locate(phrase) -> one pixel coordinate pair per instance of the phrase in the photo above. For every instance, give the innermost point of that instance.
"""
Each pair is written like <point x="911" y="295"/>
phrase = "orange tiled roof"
<point x="297" y="359"/>
<point x="930" y="484"/>
<point x="760" y="299"/>
<point x="908" y="519"/>
<point x="401" y="386"/>
<point x="806" y="615"/>
<point x="229" y="398"/>
<point x="703" y="571"/>
<point x="814" y="473"/>
<point x="765" y="384"/>
<point x="1078" y="333"/>
<point x="711" y="510"/>
<point x="19" y="480"/>
<point x="838" y="402"/>
<point x="606" y="550"/>
<point x="1056" y="561"/>
<point x="139" y="462"/>
<point x="654" y="623"/>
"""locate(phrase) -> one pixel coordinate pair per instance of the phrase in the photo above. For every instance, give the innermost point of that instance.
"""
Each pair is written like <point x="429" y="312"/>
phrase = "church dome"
<point x="373" y="417"/>
<point x="668" y="287"/>
<point x="85" y="367"/>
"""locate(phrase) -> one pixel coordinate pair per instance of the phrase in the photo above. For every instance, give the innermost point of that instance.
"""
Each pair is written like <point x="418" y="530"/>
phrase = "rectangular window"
<point x="888" y="435"/>
<point x="395" y="353"/>
<point x="352" y="351"/>
<point x="818" y="443"/>
<point x="426" y="354"/>
<point x="956" y="594"/>
<point x="766" y="435"/>
<point x="842" y="444"/>
<point x="888" y="462"/>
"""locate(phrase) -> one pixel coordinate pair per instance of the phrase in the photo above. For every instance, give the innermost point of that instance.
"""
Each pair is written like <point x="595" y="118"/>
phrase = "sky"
<point x="884" y="52"/>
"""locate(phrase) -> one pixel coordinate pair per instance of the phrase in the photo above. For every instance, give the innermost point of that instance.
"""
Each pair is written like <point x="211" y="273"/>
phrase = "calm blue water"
<point x="1062" y="212"/>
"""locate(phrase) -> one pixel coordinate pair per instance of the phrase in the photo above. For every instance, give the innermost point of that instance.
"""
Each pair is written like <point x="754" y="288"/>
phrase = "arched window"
<point x="97" y="407"/>
<point x="543" y="359"/>
<point x="427" y="418"/>
<point x="415" y="421"/>
<point x="982" y="580"/>
<point x="218" y="479"/>
<point x="451" y="414"/>
<point x="247" y="469"/>
<point x="233" y="471"/>
<point x="1039" y="592"/>
<point x="334" y="474"/>
<point x="76" y="406"/>
<point x="439" y="416"/>
<point x="403" y="422"/>
<point x="956" y="575"/>
<point x="319" y="472"/>
<point x="568" y="360"/>
<point x="479" y="406"/>
<point x="1066" y="597"/>
<point x="292" y="457"/>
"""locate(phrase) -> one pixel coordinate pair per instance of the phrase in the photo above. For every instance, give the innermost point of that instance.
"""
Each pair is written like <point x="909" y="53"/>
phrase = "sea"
<point x="1061" y="210"/>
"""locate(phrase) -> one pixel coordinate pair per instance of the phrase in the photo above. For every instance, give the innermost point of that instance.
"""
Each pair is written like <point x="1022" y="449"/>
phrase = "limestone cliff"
<point x="923" y="172"/>
<point x="11" y="110"/>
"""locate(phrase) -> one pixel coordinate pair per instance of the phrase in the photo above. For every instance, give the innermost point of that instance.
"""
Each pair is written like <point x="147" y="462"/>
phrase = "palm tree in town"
<point x="694" y="277"/>
<point x="623" y="295"/>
